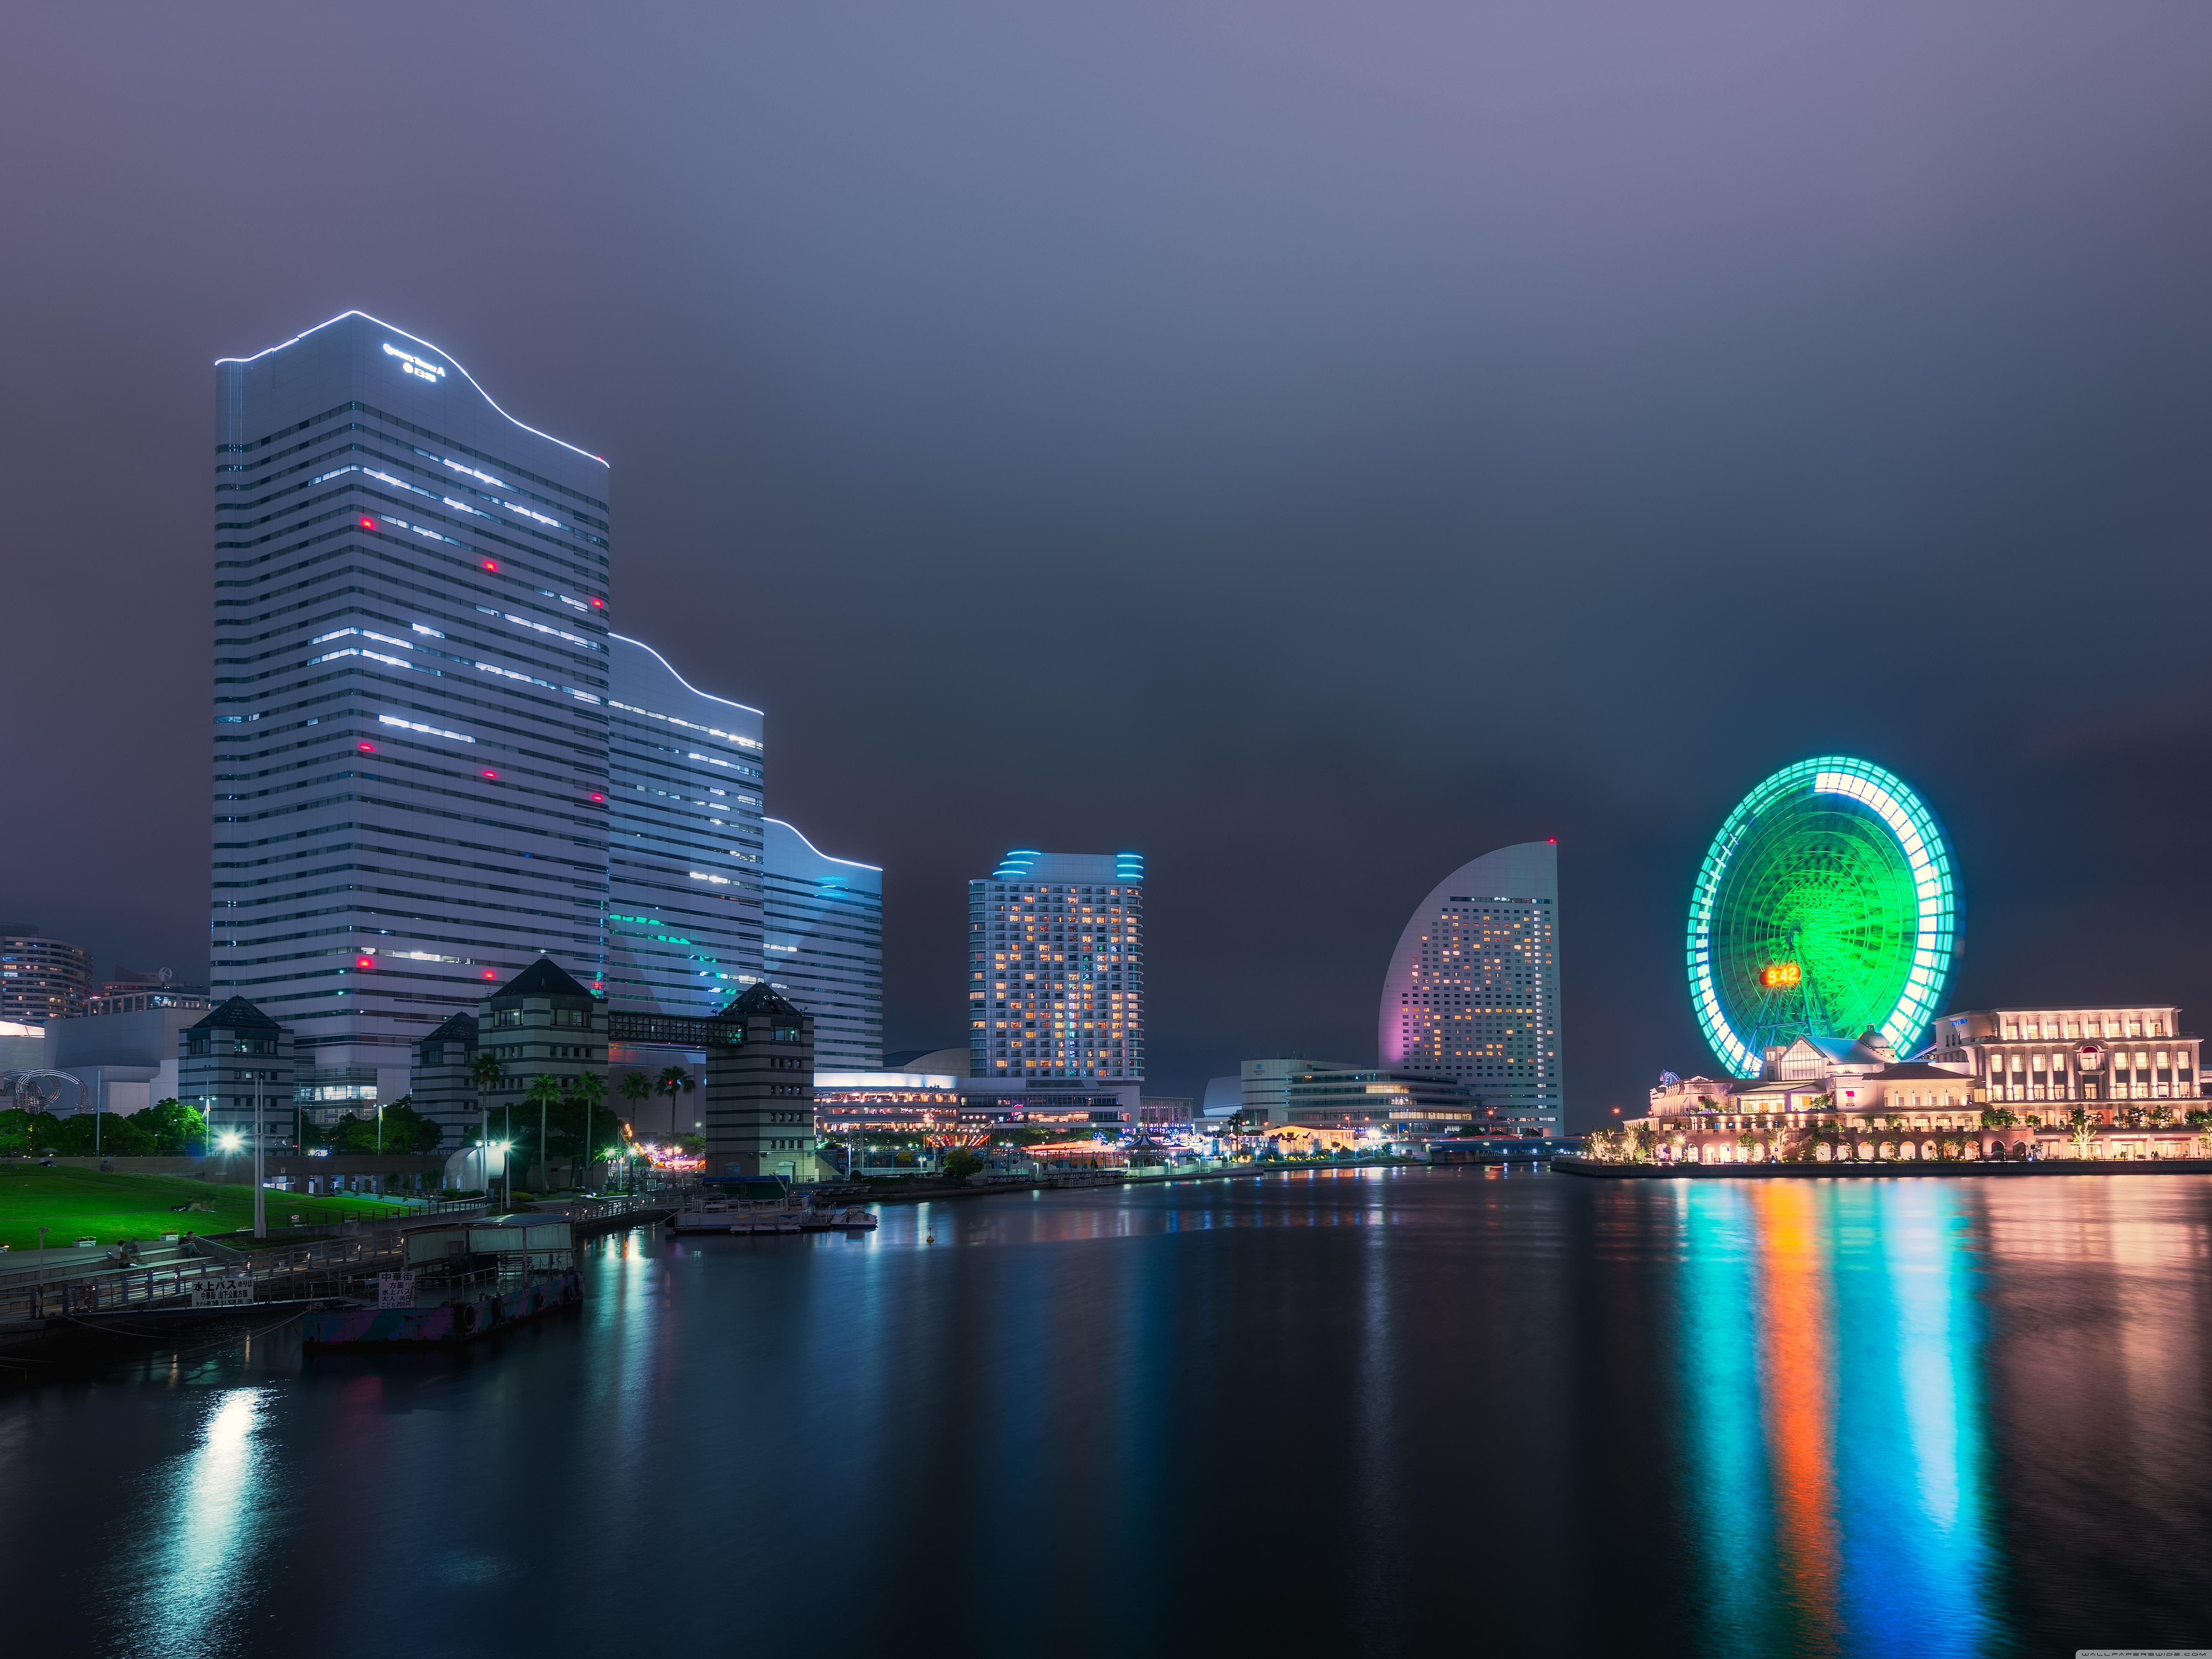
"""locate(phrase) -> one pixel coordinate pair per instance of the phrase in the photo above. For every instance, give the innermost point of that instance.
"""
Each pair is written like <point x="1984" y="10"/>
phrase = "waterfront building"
<point x="824" y="946"/>
<point x="2024" y="1056"/>
<point x="41" y="979"/>
<point x="411" y="674"/>
<point x="1056" y="967"/>
<point x="443" y="1083"/>
<point x="1265" y="1084"/>
<point x="542" y="1023"/>
<point x="1994" y="1083"/>
<point x="126" y="1055"/>
<point x="1472" y="990"/>
<point x="685" y="849"/>
<point x="758" y="1109"/>
<point x="231" y="1056"/>
<point x="1163" y="1111"/>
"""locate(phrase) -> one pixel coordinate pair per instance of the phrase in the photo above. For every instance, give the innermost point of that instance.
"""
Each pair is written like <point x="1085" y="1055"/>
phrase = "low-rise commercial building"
<point x="758" y="1109"/>
<point x="1995" y="1083"/>
<point x="232" y="1062"/>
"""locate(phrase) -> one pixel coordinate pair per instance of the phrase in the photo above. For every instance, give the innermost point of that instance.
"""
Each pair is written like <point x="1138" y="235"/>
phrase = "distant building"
<point x="1472" y="990"/>
<point x="127" y="1054"/>
<point x="1056" y="967"/>
<point x="1225" y="1096"/>
<point x="686" y="849"/>
<point x="952" y="1062"/>
<point x="230" y="1058"/>
<point x="411" y="663"/>
<point x="1345" y="1097"/>
<point x="1265" y="1084"/>
<point x="1164" y="1111"/>
<point x="823" y="946"/>
<point x="758" y="1109"/>
<point x="134" y="982"/>
<point x="443" y="1081"/>
<point x="41" y="979"/>
<point x="22" y="1046"/>
<point x="136" y="999"/>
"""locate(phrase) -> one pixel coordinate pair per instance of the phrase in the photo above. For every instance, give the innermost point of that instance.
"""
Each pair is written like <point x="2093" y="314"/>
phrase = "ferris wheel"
<point x="1826" y="907"/>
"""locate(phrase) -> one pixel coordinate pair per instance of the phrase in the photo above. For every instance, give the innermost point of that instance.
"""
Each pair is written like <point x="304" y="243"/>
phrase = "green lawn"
<point x="74" y="1204"/>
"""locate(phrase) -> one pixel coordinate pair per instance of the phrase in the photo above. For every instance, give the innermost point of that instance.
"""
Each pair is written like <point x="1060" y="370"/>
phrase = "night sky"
<point x="1312" y="446"/>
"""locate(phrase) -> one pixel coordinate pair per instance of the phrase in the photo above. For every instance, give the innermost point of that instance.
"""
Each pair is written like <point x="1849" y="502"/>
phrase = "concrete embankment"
<point x="1979" y="1168"/>
<point x="915" y="1193"/>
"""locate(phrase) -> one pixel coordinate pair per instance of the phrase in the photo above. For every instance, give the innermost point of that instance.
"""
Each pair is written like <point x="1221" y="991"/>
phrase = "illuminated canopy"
<point x="1825" y="908"/>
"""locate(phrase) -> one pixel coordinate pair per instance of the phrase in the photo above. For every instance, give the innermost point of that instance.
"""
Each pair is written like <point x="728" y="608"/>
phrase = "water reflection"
<point x="1833" y="1352"/>
<point x="206" y="1512"/>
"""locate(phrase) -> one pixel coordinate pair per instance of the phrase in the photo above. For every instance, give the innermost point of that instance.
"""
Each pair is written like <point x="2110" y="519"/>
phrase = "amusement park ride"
<point x="1827" y="906"/>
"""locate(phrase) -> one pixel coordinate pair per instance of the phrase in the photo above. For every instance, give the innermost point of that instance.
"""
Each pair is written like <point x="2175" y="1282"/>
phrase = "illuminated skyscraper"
<point x="823" y="948"/>
<point x="1473" y="993"/>
<point x="1056" y="967"/>
<point x="684" y="840"/>
<point x="410" y="737"/>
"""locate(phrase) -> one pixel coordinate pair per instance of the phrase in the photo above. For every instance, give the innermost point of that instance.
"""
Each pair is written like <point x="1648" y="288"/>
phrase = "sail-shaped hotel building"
<point x="1473" y="991"/>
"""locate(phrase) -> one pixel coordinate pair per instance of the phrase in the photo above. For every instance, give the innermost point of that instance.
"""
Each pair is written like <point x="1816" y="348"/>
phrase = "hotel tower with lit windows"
<point x="1472" y="990"/>
<point x="410" y="738"/>
<point x="1056" y="967"/>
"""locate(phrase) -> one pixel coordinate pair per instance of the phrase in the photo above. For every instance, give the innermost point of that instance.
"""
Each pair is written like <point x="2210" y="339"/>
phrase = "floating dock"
<point x="462" y="1317"/>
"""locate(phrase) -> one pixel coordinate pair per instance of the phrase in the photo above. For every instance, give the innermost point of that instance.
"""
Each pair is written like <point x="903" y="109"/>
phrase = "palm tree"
<point x="486" y="1071"/>
<point x="674" y="1080"/>
<point x="590" y="1089"/>
<point x="544" y="1089"/>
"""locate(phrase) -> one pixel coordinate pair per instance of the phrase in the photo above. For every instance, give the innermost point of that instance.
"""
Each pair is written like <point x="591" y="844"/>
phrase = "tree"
<point x="178" y="1130"/>
<point x="961" y="1163"/>
<point x="2083" y="1129"/>
<point x="1643" y="1142"/>
<point x="544" y="1089"/>
<point x="1603" y="1144"/>
<point x="674" y="1080"/>
<point x="636" y="1088"/>
<point x="487" y="1071"/>
<point x="1998" y="1117"/>
<point x="405" y="1130"/>
<point x="588" y="1091"/>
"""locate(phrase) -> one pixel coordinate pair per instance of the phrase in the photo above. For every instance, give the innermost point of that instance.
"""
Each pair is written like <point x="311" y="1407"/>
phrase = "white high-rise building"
<point x="823" y="946"/>
<point x="1056" y="967"/>
<point x="410" y="701"/>
<point x="685" y="854"/>
<point x="1473" y="993"/>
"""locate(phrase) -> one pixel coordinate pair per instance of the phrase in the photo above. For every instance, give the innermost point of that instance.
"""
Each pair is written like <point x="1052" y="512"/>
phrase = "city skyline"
<point x="950" y="431"/>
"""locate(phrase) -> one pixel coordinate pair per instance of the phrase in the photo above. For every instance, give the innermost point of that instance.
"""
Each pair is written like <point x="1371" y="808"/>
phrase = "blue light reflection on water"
<point x="1837" y="1439"/>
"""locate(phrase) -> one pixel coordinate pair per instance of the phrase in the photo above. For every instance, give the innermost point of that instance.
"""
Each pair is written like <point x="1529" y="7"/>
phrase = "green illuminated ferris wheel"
<point x="1826" y="908"/>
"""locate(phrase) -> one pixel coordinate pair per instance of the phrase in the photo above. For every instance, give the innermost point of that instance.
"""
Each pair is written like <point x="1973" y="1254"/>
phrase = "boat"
<point x="790" y="1212"/>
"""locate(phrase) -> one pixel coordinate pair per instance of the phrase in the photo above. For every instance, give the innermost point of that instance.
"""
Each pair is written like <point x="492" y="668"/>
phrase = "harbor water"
<point x="1382" y="1410"/>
